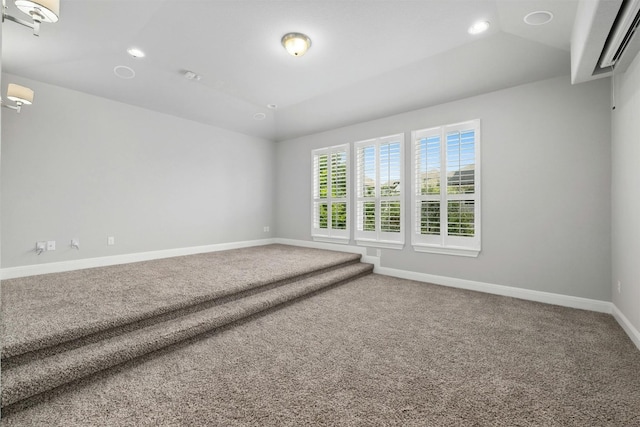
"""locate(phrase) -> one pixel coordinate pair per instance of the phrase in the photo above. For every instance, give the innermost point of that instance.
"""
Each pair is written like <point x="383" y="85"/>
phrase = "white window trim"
<point x="330" y="235"/>
<point x="443" y="244"/>
<point x="378" y="238"/>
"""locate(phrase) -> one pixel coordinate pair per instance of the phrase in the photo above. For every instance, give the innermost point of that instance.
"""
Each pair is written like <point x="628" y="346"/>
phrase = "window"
<point x="446" y="189"/>
<point x="379" y="195"/>
<point x="330" y="208"/>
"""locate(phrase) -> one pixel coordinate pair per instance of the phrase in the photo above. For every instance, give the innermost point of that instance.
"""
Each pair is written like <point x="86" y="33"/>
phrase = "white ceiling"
<point x="368" y="59"/>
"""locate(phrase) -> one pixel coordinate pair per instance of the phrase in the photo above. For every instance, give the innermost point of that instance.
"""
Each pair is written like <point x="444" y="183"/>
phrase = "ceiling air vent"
<point x="621" y="35"/>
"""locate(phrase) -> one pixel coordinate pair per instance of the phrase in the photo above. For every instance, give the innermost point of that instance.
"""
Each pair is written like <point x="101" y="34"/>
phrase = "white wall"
<point x="625" y="187"/>
<point x="79" y="166"/>
<point x="545" y="187"/>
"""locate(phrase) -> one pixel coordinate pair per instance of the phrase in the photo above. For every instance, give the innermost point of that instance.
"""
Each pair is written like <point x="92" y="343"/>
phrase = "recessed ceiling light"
<point x="479" y="27"/>
<point x="259" y="116"/>
<point x="124" y="72"/>
<point x="539" y="17"/>
<point x="272" y="106"/>
<point x="135" y="52"/>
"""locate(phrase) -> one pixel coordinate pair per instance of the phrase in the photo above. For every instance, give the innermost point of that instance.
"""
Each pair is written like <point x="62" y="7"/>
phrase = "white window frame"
<point x="378" y="238"/>
<point x="443" y="243"/>
<point x="329" y="234"/>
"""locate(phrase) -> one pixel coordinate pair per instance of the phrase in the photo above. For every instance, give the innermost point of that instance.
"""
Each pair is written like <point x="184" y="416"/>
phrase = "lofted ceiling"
<point x="368" y="59"/>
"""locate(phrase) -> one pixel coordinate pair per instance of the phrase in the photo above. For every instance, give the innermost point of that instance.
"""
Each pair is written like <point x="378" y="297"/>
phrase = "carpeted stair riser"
<point x="53" y="344"/>
<point x="22" y="381"/>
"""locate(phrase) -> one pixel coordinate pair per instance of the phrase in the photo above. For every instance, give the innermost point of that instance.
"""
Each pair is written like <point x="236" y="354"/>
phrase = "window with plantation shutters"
<point x="446" y="189"/>
<point x="330" y="207"/>
<point x="379" y="194"/>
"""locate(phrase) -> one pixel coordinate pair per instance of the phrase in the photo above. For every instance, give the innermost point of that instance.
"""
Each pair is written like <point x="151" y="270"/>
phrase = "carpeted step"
<point x="43" y="316"/>
<point x="24" y="380"/>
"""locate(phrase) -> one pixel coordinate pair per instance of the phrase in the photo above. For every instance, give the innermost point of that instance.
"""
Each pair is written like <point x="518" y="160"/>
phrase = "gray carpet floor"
<point x="26" y="376"/>
<point x="39" y="311"/>
<point x="377" y="351"/>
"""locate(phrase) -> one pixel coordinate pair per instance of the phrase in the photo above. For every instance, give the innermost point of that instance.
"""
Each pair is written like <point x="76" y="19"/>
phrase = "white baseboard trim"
<point x="622" y="320"/>
<point x="322" y="245"/>
<point x="507" y="291"/>
<point x="57" y="267"/>
<point x="332" y="247"/>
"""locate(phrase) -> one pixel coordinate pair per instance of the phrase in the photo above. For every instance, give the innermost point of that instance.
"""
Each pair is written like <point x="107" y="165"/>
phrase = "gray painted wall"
<point x="80" y="166"/>
<point x="626" y="194"/>
<point x="545" y="187"/>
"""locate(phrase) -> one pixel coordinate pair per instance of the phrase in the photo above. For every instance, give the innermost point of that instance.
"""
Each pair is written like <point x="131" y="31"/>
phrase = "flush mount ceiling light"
<point x="39" y="10"/>
<point x="539" y="17"/>
<point x="479" y="27"/>
<point x="20" y="95"/>
<point x="135" y="52"/>
<point x="296" y="43"/>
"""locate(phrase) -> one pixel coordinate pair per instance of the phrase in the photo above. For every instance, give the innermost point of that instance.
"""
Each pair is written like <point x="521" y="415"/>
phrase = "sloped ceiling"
<point x="368" y="59"/>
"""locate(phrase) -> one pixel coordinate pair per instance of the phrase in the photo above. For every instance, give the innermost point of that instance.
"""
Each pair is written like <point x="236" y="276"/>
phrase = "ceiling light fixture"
<point x="272" y="106"/>
<point x="135" y="52"/>
<point x="539" y="17"/>
<point x="39" y="10"/>
<point x="259" y="116"/>
<point x="479" y="27"/>
<point x="20" y="95"/>
<point x="296" y="43"/>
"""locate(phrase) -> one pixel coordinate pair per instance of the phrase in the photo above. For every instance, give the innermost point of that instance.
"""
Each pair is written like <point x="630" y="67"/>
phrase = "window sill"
<point x="456" y="251"/>
<point x="379" y="244"/>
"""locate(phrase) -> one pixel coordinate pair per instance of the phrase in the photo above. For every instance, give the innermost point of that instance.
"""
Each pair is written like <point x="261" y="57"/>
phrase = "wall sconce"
<point x="296" y="43"/>
<point x="20" y="95"/>
<point x="39" y="10"/>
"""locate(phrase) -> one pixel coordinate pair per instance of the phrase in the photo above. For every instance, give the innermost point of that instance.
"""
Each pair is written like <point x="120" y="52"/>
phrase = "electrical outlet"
<point x="619" y="286"/>
<point x="265" y="229"/>
<point x="378" y="253"/>
<point x="51" y="245"/>
<point x="111" y="240"/>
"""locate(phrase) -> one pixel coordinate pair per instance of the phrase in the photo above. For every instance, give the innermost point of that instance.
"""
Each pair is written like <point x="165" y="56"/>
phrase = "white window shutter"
<point x="379" y="192"/>
<point x="446" y="200"/>
<point x="330" y="205"/>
